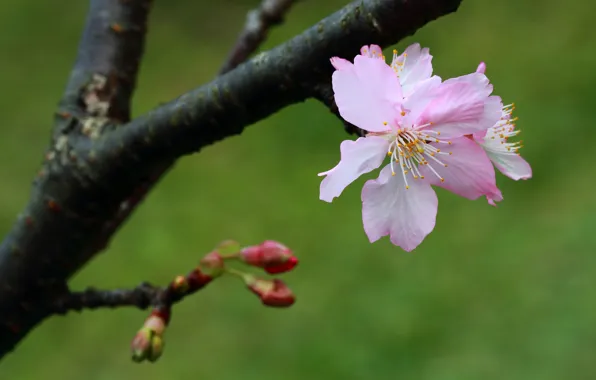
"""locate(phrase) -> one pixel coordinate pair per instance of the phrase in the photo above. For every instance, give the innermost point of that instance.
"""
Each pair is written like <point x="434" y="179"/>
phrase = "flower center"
<point x="497" y="137"/>
<point x="410" y="148"/>
<point x="398" y="65"/>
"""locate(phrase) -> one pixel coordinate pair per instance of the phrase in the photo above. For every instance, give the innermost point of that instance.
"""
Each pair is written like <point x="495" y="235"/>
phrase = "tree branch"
<point x="103" y="78"/>
<point x="288" y="74"/>
<point x="258" y="23"/>
<point x="93" y="167"/>
<point x="99" y="90"/>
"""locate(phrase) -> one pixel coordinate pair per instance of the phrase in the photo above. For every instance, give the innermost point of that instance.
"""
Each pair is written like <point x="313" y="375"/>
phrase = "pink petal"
<point x="511" y="165"/>
<point x="407" y="216"/>
<point x="357" y="158"/>
<point x="477" y="80"/>
<point x="340" y="63"/>
<point x="418" y="67"/>
<point x="461" y="107"/>
<point x="372" y="51"/>
<point x="367" y="94"/>
<point x="496" y="197"/>
<point x="469" y="172"/>
<point x="417" y="102"/>
<point x="481" y="68"/>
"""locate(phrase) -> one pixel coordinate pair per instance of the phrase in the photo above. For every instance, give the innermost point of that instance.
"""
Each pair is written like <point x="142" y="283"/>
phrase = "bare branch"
<point x="84" y="181"/>
<point x="258" y="23"/>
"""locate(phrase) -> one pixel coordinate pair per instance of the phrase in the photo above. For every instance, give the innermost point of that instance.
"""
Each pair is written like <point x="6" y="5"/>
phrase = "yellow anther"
<point x="407" y="187"/>
<point x="384" y="123"/>
<point x="403" y="113"/>
<point x="442" y="179"/>
<point x="394" y="51"/>
<point x="392" y="173"/>
<point x="389" y="153"/>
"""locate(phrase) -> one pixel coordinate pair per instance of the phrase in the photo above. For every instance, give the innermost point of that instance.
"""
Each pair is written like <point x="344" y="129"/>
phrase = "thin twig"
<point x="142" y="296"/>
<point x="258" y="23"/>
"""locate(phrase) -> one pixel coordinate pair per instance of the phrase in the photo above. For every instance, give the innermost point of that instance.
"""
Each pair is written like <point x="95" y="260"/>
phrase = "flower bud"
<point x="270" y="255"/>
<point x="141" y="344"/>
<point x="273" y="293"/>
<point x="180" y="285"/>
<point x="156" y="323"/>
<point x="157" y="344"/>
<point x="212" y="264"/>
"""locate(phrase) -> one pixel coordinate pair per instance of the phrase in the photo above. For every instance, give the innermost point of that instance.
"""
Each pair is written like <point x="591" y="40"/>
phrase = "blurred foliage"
<point x="501" y="293"/>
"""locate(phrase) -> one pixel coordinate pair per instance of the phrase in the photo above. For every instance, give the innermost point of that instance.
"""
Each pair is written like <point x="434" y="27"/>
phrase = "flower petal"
<point x="417" y="67"/>
<point x="406" y="215"/>
<point x="372" y="51"/>
<point x="469" y="172"/>
<point x="462" y="107"/>
<point x="357" y="158"/>
<point x="477" y="80"/>
<point x="511" y="165"/>
<point x="340" y="63"/>
<point x="417" y="102"/>
<point x="367" y="95"/>
<point x="481" y="68"/>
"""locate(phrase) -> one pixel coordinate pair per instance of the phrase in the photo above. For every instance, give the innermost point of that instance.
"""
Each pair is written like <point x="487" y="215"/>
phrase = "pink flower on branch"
<point x="423" y="125"/>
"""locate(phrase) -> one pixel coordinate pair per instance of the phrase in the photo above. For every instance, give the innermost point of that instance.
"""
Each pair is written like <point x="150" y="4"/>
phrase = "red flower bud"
<point x="273" y="293"/>
<point x="270" y="255"/>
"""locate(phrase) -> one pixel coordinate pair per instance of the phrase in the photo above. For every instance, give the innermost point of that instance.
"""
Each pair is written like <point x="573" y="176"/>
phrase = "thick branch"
<point x="104" y="75"/>
<point x="85" y="180"/>
<point x="36" y="256"/>
<point x="272" y="80"/>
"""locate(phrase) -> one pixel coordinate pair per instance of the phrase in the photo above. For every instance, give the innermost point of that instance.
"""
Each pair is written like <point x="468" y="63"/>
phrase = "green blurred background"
<point x="505" y="293"/>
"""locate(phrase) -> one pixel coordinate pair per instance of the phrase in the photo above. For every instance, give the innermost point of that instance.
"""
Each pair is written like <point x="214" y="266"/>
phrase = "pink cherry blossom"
<point x="421" y="123"/>
<point x="495" y="142"/>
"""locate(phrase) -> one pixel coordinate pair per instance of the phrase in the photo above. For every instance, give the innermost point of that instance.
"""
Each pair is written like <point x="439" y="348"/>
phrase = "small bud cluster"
<point x="148" y="343"/>
<point x="271" y="256"/>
